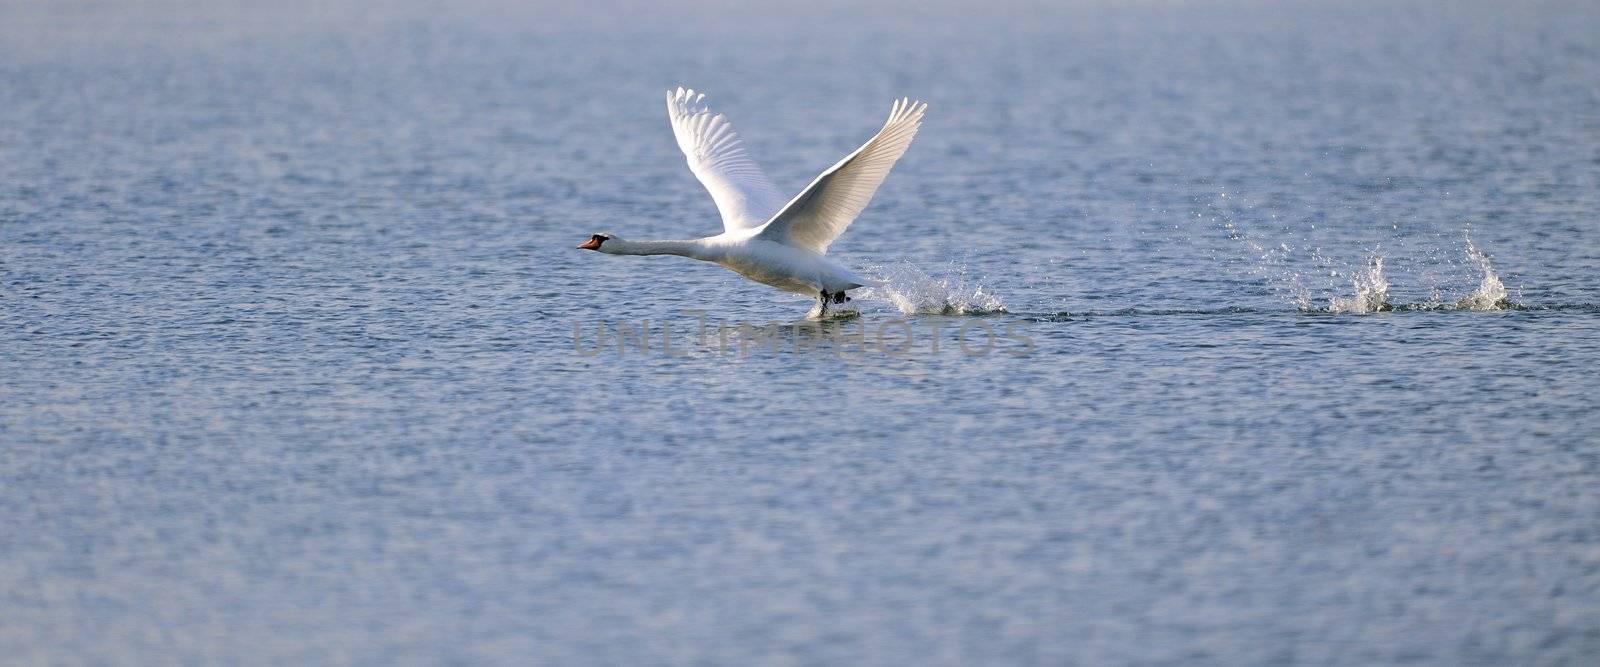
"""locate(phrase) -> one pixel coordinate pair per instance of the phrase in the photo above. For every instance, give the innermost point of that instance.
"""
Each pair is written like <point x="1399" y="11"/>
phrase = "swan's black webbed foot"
<point x="839" y="297"/>
<point x="822" y="303"/>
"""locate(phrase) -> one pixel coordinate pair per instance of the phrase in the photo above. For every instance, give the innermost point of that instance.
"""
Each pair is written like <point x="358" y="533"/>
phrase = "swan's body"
<point x="767" y="262"/>
<point x="765" y="238"/>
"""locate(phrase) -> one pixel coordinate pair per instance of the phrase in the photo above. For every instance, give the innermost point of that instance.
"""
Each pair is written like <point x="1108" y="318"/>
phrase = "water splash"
<point x="914" y="292"/>
<point x="836" y="311"/>
<point x="1491" y="293"/>
<point x="1371" y="291"/>
<point x="1308" y="278"/>
<point x="1274" y="266"/>
<point x="1303" y="275"/>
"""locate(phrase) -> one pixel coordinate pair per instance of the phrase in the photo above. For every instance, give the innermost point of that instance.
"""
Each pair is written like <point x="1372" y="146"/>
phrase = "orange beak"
<point x="592" y="244"/>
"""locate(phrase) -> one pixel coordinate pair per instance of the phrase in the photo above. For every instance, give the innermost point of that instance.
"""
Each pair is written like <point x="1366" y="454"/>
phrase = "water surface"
<point x="288" y="371"/>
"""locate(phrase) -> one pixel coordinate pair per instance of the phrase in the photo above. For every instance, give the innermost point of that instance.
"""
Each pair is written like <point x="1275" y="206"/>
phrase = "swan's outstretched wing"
<point x="744" y="195"/>
<point x="821" y="212"/>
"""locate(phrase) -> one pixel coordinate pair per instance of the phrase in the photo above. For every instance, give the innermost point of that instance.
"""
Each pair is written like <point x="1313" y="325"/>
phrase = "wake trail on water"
<point x="1069" y="316"/>
<point x="1288" y="274"/>
<point x="1309" y="280"/>
<point x="913" y="291"/>
<point x="1370" y="290"/>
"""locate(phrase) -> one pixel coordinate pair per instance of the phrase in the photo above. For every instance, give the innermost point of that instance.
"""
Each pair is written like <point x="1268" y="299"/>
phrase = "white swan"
<point x="764" y="239"/>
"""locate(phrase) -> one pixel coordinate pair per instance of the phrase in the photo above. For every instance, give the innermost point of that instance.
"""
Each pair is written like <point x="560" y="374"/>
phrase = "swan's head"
<point x="596" y="242"/>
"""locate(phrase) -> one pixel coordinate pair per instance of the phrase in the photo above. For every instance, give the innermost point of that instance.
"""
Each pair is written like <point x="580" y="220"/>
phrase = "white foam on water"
<point x="1491" y="293"/>
<point x="913" y="291"/>
<point x="836" y="311"/>
<point x="1371" y="291"/>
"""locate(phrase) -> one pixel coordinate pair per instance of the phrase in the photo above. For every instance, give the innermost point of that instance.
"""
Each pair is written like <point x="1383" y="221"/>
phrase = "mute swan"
<point x="783" y="245"/>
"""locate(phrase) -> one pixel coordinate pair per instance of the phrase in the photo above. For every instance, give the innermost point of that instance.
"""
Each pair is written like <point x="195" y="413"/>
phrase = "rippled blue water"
<point x="288" y="371"/>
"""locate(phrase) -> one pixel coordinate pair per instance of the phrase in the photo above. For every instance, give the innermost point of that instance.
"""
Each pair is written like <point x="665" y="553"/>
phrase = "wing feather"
<point x="820" y="213"/>
<point x="744" y="194"/>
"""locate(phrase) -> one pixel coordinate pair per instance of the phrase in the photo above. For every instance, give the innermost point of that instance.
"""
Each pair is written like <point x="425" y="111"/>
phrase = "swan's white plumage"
<point x="821" y="212"/>
<point x="764" y="239"/>
<point x="745" y="196"/>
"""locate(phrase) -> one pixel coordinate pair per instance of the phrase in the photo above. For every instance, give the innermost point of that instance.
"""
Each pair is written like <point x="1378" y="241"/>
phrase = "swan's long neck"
<point x="693" y="249"/>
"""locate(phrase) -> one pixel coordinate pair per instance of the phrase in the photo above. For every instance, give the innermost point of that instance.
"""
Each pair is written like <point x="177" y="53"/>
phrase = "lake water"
<point x="1296" y="317"/>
